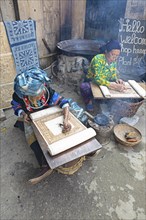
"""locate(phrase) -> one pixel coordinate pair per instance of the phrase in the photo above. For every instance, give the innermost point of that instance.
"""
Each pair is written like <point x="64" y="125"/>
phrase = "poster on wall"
<point x="132" y="37"/>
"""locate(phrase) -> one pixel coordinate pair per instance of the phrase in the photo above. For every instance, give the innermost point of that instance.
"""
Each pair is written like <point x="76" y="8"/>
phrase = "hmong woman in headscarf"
<point x="32" y="93"/>
<point x="102" y="71"/>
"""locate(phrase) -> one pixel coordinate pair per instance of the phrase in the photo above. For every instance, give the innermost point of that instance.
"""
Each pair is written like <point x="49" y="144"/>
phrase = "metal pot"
<point x="101" y="119"/>
<point x="103" y="128"/>
<point x="80" y="47"/>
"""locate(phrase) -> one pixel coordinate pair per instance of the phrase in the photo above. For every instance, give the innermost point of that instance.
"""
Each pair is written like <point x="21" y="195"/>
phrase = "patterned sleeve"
<point x="114" y="71"/>
<point x="17" y="105"/>
<point x="57" y="99"/>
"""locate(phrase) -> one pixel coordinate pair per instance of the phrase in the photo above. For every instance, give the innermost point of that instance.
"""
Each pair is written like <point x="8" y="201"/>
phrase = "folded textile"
<point x="137" y="88"/>
<point x="22" y="39"/>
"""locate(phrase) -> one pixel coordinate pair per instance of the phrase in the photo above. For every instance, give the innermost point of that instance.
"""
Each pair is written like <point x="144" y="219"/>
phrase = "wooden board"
<point x="78" y="19"/>
<point x="143" y="85"/>
<point x="7" y="67"/>
<point x="69" y="155"/>
<point x="6" y="91"/>
<point x="7" y="10"/>
<point x="97" y="93"/>
<point x="48" y="125"/>
<point x="7" y="70"/>
<point x="140" y="90"/>
<point x="129" y="92"/>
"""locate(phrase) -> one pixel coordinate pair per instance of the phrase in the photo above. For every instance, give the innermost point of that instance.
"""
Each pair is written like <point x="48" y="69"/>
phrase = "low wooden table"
<point x="68" y="155"/>
<point x="97" y="94"/>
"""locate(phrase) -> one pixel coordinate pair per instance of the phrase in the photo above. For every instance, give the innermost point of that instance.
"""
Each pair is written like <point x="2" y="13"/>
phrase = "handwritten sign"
<point x="133" y="45"/>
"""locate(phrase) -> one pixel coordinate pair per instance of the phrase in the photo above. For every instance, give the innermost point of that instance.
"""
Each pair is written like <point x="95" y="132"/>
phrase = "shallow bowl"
<point x="121" y="129"/>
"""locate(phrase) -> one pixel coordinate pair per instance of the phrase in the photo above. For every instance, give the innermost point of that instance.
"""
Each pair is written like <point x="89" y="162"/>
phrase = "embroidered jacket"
<point x="24" y="104"/>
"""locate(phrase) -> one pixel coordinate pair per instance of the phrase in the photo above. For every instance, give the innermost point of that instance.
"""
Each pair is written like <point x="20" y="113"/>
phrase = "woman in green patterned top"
<point x="102" y="71"/>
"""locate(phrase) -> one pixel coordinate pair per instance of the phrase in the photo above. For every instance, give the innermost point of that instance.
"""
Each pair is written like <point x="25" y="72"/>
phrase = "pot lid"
<point x="101" y="119"/>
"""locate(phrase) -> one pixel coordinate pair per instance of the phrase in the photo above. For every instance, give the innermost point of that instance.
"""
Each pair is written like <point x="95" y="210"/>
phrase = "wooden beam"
<point x="78" y="18"/>
<point x="7" y="10"/>
<point x="48" y="55"/>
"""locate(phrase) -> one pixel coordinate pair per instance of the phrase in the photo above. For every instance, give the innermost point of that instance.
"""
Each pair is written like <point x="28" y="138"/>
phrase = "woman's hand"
<point x="66" y="124"/>
<point x="25" y="117"/>
<point x="120" y="81"/>
<point x="117" y="86"/>
<point x="66" y="127"/>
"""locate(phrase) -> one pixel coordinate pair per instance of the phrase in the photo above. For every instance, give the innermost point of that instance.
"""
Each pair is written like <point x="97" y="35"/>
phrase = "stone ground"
<point x="109" y="186"/>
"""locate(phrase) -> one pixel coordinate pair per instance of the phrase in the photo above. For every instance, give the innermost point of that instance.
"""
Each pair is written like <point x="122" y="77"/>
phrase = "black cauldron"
<point x="78" y="47"/>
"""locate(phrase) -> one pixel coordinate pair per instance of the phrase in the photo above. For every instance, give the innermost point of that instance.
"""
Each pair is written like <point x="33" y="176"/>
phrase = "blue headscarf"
<point x="30" y="82"/>
<point x="111" y="45"/>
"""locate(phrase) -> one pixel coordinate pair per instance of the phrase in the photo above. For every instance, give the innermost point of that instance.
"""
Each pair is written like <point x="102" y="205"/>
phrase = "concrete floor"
<point x="109" y="186"/>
